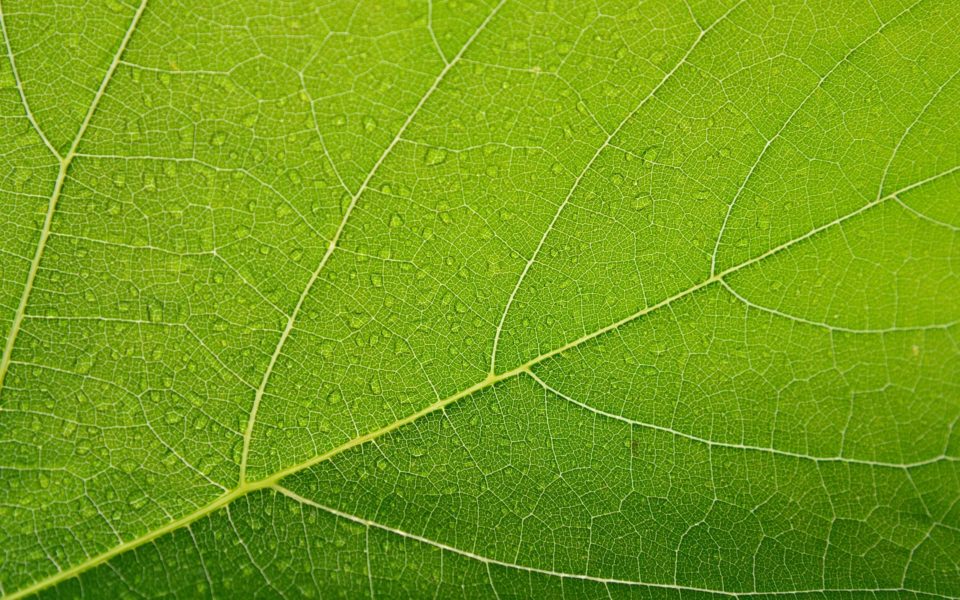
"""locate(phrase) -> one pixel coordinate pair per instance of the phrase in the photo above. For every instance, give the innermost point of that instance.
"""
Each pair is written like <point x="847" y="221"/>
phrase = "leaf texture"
<point x="497" y="298"/>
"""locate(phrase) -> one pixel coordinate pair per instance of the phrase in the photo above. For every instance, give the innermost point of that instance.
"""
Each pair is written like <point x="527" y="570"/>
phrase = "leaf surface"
<point x="486" y="299"/>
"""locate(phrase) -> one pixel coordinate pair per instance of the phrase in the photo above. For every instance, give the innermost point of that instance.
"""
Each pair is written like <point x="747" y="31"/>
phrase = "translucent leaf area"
<point x="480" y="299"/>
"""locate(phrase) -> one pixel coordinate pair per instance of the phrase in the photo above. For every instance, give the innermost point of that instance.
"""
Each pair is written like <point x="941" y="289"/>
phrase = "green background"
<point x="477" y="299"/>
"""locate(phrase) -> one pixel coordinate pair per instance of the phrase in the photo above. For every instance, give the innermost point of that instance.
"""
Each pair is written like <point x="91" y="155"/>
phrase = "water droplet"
<point x="201" y="421"/>
<point x="236" y="452"/>
<point x="435" y="156"/>
<point x="208" y="464"/>
<point x="155" y="312"/>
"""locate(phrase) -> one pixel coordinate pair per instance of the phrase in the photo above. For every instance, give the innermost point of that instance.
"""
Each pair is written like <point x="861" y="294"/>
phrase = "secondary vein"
<point x="19" y="86"/>
<point x="371" y="524"/>
<point x="258" y="397"/>
<point x="769" y="142"/>
<point x="586" y="168"/>
<point x="65" y="162"/>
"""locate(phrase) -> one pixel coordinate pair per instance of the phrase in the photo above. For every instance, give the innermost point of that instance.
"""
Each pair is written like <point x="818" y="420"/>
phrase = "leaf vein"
<point x="786" y="123"/>
<point x="585" y="170"/>
<point x="19" y="85"/>
<point x="251" y="421"/>
<point x="55" y="196"/>
<point x="747" y="447"/>
<point x="488" y="561"/>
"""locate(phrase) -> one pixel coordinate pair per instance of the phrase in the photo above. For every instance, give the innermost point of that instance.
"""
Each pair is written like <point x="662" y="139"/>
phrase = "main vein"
<point x="291" y="319"/>
<point x="65" y="162"/>
<point x="274" y="480"/>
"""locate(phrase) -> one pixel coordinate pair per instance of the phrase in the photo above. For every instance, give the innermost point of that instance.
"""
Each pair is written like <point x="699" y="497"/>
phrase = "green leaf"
<point x="480" y="299"/>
